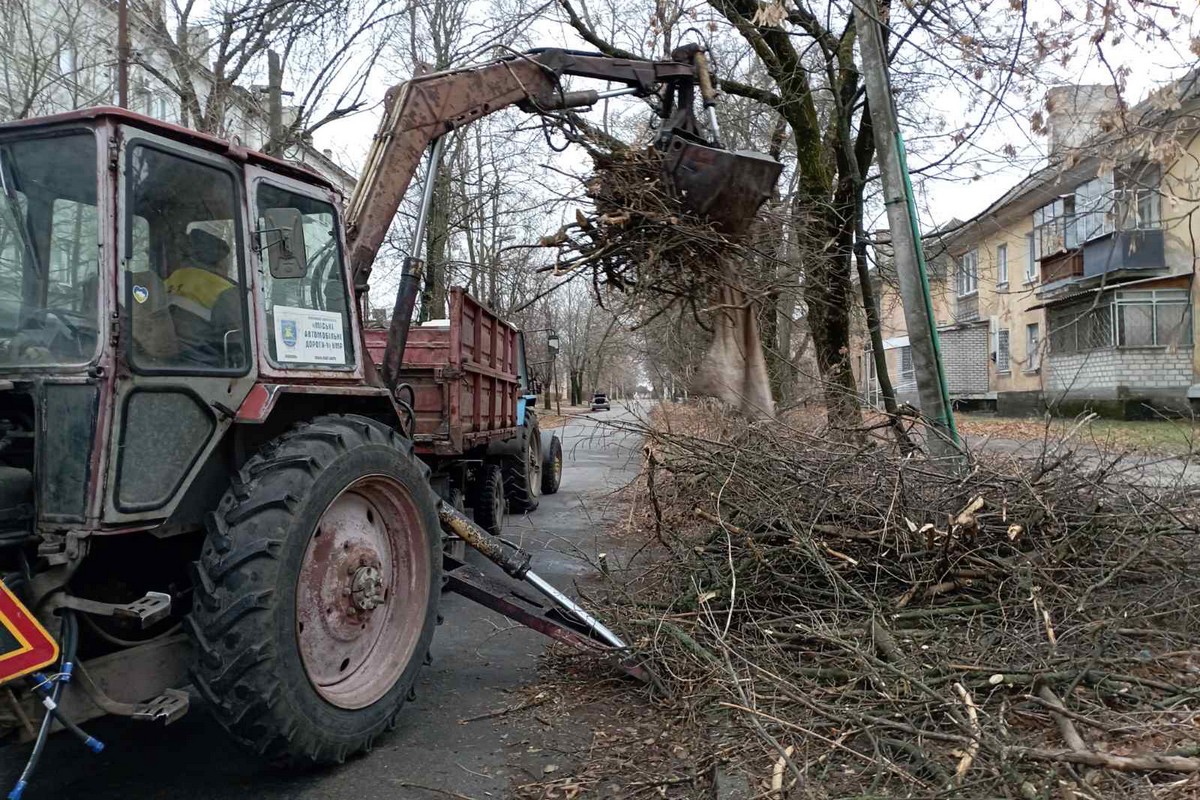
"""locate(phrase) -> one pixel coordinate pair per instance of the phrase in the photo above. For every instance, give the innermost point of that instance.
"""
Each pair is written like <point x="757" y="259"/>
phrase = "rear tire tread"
<point x="489" y="482"/>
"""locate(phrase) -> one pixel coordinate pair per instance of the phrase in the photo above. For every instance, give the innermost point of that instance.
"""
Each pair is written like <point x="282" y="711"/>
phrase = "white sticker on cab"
<point x="307" y="336"/>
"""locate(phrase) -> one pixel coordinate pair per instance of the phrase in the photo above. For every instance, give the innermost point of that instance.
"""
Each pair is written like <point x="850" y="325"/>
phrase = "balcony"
<point x="1061" y="266"/>
<point x="966" y="308"/>
<point x="1140" y="250"/>
<point x="1076" y="247"/>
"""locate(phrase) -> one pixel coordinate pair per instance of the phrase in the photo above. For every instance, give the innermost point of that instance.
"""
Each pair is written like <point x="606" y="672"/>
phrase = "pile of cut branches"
<point x="639" y="237"/>
<point x="1028" y="627"/>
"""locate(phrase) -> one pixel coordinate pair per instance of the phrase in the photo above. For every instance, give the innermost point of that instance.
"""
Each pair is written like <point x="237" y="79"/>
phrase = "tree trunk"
<point x="576" y="387"/>
<point x="828" y="297"/>
<point x="437" y="238"/>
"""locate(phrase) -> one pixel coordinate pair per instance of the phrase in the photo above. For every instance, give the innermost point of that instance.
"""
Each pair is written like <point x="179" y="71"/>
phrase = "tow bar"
<point x="562" y="620"/>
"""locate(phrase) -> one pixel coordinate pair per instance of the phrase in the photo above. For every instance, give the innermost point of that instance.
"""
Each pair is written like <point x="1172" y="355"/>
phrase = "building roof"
<point x="1043" y="185"/>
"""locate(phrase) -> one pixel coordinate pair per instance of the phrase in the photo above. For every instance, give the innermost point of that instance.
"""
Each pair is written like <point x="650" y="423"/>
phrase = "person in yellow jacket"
<point x="205" y="306"/>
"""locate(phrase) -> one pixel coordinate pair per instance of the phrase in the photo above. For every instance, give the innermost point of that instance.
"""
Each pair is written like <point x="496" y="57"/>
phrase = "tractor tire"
<point x="523" y="473"/>
<point x="552" y="464"/>
<point x="487" y="498"/>
<point x="317" y="591"/>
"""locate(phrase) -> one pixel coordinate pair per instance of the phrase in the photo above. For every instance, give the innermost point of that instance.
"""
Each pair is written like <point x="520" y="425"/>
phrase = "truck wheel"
<point x="523" y="474"/>
<point x="487" y="499"/>
<point x="317" y="591"/>
<point x="552" y="464"/>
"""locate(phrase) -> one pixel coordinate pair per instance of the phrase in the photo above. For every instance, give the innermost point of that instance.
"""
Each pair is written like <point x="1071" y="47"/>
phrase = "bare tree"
<point x="53" y="56"/>
<point x="331" y="48"/>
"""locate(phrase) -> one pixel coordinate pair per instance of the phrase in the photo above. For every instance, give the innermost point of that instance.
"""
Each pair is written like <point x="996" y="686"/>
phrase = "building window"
<point x="1001" y="264"/>
<point x="1031" y="261"/>
<point x="1003" y="359"/>
<point x="1081" y="327"/>
<point x="1093" y="208"/>
<point x="1054" y="226"/>
<point x="1156" y="318"/>
<point x="1032" y="338"/>
<point x="1138" y="199"/>
<point x="907" y="371"/>
<point x="66" y="55"/>
<point x="968" y="273"/>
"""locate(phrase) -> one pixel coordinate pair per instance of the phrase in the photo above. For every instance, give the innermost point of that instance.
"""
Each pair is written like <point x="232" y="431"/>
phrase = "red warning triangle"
<point x="24" y="644"/>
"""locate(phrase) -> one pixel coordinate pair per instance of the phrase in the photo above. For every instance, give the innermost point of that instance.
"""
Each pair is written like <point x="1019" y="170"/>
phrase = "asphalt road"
<point x="479" y="658"/>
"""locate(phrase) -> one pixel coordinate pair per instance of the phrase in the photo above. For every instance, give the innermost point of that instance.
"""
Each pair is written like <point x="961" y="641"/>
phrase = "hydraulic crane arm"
<point x="728" y="187"/>
<point x="420" y="111"/>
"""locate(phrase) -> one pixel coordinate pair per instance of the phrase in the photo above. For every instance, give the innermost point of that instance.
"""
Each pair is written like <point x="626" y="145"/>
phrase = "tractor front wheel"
<point x="317" y="591"/>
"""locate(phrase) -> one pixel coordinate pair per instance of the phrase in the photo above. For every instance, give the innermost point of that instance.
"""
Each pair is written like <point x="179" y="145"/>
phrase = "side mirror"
<point x="287" y="256"/>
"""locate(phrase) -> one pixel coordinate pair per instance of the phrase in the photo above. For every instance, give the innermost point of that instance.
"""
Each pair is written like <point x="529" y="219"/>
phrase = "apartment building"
<point x="59" y="56"/>
<point x="1074" y="290"/>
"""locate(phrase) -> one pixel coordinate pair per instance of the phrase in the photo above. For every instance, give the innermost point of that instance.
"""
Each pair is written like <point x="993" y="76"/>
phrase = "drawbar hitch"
<point x="562" y="619"/>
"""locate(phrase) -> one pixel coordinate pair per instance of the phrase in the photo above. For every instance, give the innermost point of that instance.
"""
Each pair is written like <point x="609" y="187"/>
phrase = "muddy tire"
<point x="523" y="473"/>
<point x="487" y="498"/>
<point x="552" y="464"/>
<point x="317" y="591"/>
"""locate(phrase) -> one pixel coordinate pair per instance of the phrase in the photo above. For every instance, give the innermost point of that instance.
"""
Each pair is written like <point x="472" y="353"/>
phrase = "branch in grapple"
<point x="641" y="237"/>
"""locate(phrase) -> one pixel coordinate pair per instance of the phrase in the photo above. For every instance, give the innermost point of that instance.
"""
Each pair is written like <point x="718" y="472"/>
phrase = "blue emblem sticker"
<point x="287" y="330"/>
<point x="140" y="293"/>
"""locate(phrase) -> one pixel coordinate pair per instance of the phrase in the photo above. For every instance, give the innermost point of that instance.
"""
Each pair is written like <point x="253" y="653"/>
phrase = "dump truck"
<point x="465" y="382"/>
<point x="206" y="478"/>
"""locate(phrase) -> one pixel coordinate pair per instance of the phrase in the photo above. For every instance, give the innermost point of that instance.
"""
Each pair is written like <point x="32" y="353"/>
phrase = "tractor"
<point x="205" y="479"/>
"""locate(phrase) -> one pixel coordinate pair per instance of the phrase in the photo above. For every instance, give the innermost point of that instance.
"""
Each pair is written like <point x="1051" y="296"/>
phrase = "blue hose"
<point x="51" y="690"/>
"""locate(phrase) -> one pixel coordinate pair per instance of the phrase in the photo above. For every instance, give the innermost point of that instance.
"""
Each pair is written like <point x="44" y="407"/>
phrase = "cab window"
<point x="184" y="284"/>
<point x="308" y="316"/>
<point x="49" y="250"/>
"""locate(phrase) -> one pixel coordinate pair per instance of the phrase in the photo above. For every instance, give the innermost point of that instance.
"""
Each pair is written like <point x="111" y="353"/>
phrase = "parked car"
<point x="600" y="402"/>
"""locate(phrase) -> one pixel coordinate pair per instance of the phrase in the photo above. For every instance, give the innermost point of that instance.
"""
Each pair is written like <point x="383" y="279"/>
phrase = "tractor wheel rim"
<point x="362" y="592"/>
<point x="533" y="464"/>
<point x="557" y="466"/>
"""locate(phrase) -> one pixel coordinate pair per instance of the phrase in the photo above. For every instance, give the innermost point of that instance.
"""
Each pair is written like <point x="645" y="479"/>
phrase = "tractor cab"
<point x="151" y="278"/>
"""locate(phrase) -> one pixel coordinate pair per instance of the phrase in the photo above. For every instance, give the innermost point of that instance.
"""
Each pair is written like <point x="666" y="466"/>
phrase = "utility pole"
<point x="908" y="256"/>
<point x="275" y="101"/>
<point x="123" y="53"/>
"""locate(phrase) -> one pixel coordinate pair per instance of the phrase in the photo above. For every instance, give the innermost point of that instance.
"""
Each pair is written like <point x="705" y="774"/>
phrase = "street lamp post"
<point x="552" y="344"/>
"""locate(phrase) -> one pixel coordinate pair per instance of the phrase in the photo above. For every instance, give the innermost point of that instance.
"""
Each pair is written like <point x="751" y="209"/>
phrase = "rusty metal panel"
<point x="463" y="375"/>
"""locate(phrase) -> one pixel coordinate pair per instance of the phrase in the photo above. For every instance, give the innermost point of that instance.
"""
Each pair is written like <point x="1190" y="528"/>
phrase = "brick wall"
<point x="965" y="356"/>
<point x="1107" y="373"/>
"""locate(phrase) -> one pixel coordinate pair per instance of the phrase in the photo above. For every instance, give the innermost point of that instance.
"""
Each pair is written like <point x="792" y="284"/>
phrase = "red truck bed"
<point x="464" y="377"/>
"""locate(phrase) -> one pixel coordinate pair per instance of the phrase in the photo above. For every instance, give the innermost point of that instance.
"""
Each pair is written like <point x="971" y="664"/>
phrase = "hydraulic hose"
<point x="44" y="731"/>
<point x="69" y="634"/>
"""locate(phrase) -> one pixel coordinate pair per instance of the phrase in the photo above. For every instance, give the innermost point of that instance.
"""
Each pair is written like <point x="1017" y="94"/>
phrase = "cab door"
<point x="186" y="351"/>
<point x="307" y="327"/>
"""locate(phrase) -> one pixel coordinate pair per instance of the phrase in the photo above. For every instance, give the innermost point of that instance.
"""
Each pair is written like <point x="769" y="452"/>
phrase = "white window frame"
<point x="1139" y="199"/>
<point x="1094" y="208"/>
<point x="66" y="60"/>
<point x="908" y="371"/>
<point x="967" y="273"/>
<point x="1003" y="351"/>
<point x="1002" y="264"/>
<point x="1155" y="298"/>
<point x="1054" y="226"/>
<point x="1032" y="260"/>
<point x="1033" y="340"/>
